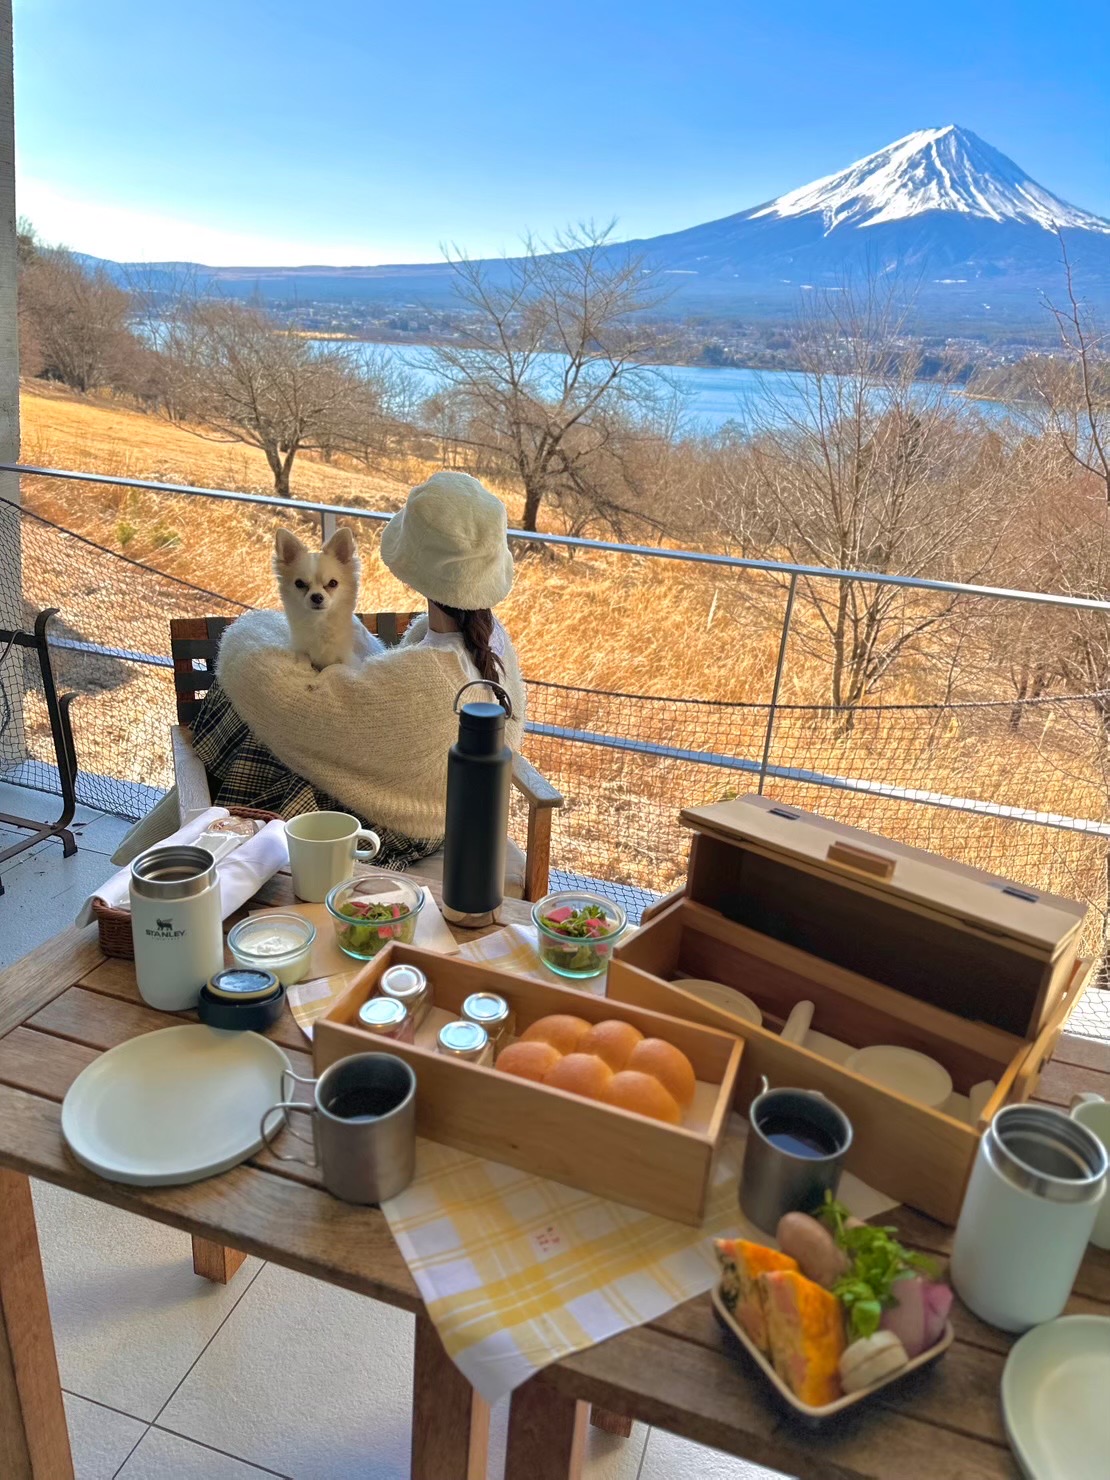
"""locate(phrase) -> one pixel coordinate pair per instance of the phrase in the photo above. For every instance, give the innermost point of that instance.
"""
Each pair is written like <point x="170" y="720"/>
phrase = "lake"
<point x="711" y="397"/>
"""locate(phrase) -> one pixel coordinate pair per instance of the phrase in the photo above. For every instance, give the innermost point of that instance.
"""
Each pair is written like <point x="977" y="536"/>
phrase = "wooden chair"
<point x="193" y="645"/>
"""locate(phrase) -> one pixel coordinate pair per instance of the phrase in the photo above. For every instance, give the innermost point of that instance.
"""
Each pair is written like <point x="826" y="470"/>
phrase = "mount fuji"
<point x="971" y="237"/>
<point x="964" y="225"/>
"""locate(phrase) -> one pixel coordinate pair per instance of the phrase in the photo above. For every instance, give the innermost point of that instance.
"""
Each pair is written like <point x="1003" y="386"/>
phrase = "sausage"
<point x="814" y="1247"/>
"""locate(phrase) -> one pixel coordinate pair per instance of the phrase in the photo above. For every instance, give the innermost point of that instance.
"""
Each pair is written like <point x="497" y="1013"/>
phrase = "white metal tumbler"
<point x="176" y="924"/>
<point x="1035" y="1191"/>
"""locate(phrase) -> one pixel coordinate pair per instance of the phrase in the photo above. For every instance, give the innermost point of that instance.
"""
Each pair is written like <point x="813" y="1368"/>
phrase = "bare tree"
<point x="548" y="379"/>
<point x="75" y="320"/>
<point x="1072" y="390"/>
<point x="858" y="466"/>
<point x="381" y="416"/>
<point x="237" y="377"/>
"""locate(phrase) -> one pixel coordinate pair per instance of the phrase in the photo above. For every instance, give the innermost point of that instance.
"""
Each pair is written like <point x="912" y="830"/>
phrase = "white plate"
<point x="1054" y="1399"/>
<point x="903" y="1070"/>
<point x="827" y="1410"/>
<point x="172" y="1106"/>
<point x="716" y="994"/>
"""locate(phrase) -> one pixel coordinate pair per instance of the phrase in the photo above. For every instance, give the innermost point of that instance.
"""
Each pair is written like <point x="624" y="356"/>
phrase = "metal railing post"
<point x="784" y="637"/>
<point x="329" y="523"/>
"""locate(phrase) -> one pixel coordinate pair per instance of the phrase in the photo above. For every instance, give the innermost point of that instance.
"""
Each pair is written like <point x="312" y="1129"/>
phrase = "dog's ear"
<point x="287" y="547"/>
<point x="341" y="545"/>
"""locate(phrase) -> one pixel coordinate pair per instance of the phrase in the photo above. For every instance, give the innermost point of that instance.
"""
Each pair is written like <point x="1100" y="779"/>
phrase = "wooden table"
<point x="66" y="1003"/>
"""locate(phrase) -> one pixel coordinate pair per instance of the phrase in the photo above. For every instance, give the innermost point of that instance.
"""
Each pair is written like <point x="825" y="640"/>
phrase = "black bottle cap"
<point x="481" y="729"/>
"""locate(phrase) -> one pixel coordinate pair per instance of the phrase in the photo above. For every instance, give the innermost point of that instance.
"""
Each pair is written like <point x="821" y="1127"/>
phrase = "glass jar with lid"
<point x="464" y="1040"/>
<point x="492" y="1013"/>
<point x="387" y="1018"/>
<point x="409" y="986"/>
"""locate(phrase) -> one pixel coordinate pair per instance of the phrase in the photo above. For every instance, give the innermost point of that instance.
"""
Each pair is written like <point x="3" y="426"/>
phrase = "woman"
<point x="372" y="737"/>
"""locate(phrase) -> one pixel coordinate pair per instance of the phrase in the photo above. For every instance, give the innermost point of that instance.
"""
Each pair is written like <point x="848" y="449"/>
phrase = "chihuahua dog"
<point x="319" y="593"/>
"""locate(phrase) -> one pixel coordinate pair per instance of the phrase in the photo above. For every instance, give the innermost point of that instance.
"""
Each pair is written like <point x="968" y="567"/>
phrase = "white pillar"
<point x="12" y="742"/>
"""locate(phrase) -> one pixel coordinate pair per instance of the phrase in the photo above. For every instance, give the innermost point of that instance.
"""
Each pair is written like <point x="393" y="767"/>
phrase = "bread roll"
<point x="561" y="1030"/>
<point x="642" y="1093"/>
<point x="613" y="1041"/>
<point x="582" y="1074"/>
<point x="528" y="1060"/>
<point x="669" y="1065"/>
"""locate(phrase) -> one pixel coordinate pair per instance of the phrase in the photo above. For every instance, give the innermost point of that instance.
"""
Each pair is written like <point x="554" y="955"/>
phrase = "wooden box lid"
<point x="966" y="940"/>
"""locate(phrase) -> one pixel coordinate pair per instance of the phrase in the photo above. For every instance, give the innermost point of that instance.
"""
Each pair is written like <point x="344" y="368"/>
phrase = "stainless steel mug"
<point x="363" y="1126"/>
<point x="797" y="1142"/>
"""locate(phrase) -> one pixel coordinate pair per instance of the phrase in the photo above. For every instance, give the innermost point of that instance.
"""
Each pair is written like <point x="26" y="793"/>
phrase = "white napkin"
<point x="241" y="873"/>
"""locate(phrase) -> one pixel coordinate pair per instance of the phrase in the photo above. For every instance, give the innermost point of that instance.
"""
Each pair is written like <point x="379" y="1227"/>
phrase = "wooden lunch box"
<point x="894" y="946"/>
<point x="660" y="1168"/>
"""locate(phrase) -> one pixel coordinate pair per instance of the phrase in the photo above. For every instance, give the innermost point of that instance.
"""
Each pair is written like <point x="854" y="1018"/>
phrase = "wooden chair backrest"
<point x="194" y="642"/>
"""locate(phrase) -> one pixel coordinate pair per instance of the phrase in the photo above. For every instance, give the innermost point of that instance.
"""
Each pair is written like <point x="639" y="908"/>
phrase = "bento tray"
<point x="842" y="1405"/>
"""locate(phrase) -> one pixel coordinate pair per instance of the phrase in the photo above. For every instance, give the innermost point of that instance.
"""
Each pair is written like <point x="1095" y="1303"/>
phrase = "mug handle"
<point x="367" y="855"/>
<point x="267" y="1136"/>
<point x="1086" y="1097"/>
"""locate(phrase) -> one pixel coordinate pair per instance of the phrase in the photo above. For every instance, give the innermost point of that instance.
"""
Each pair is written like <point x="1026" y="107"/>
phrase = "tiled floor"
<point x="168" y="1377"/>
<point x="42" y="890"/>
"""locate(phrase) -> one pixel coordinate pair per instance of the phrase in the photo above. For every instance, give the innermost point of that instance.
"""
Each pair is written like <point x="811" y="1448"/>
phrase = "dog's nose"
<point x="317" y="598"/>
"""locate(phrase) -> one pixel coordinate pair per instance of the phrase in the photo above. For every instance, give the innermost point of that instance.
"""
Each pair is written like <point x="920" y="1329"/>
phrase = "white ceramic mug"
<point x="1093" y="1111"/>
<point x="323" y="847"/>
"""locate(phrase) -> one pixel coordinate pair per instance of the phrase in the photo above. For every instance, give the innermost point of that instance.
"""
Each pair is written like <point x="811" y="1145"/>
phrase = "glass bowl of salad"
<point x="370" y="911"/>
<point x="577" y="932"/>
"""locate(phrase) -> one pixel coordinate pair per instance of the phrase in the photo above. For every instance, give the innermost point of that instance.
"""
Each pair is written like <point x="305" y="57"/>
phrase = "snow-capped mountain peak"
<point x="934" y="169"/>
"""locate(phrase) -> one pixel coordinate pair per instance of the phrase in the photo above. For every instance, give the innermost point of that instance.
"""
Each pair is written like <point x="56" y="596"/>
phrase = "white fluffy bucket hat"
<point x="449" y="543"/>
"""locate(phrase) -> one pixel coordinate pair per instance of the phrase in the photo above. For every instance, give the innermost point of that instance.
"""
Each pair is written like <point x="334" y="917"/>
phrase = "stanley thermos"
<point x="1036" y="1186"/>
<point x="176" y="924"/>
<point x="479" y="772"/>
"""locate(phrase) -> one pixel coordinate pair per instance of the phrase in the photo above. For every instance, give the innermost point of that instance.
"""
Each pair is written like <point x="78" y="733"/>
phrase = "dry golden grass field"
<point x="605" y="623"/>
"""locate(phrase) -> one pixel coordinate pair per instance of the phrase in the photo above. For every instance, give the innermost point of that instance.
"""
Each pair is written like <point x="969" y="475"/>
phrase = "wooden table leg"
<point x="610" y="1423"/>
<point x="547" y="1434"/>
<point x="214" y="1261"/>
<point x="34" y="1444"/>
<point x="450" y="1421"/>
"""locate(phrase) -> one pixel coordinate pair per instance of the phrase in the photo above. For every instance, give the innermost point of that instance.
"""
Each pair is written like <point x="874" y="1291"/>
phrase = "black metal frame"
<point x="62" y="733"/>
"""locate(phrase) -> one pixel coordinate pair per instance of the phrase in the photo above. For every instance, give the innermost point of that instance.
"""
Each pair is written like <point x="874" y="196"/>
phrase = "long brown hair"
<point x="477" y="631"/>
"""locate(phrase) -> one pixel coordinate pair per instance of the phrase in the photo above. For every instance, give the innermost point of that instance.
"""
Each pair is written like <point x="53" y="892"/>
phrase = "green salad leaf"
<point x="877" y="1261"/>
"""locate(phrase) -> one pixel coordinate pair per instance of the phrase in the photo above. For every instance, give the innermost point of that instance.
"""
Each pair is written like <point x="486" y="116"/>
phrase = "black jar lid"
<point x="243" y="984"/>
<point x="254" y="1015"/>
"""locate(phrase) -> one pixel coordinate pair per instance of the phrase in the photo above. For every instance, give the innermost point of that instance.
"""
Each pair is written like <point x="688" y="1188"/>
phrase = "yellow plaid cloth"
<point x="517" y="1271"/>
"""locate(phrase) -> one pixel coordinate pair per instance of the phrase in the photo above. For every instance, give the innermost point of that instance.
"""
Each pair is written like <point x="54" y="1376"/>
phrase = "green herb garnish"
<point x="878" y="1261"/>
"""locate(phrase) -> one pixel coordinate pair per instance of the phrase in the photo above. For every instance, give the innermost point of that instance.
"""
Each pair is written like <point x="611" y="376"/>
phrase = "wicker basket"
<point x="114" y="925"/>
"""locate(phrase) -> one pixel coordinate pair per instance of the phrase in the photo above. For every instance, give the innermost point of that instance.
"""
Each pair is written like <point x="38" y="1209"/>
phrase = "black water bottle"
<point x="479" y="773"/>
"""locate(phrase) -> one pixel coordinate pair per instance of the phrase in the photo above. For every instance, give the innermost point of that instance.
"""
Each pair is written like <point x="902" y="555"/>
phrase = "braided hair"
<point x="476" y="628"/>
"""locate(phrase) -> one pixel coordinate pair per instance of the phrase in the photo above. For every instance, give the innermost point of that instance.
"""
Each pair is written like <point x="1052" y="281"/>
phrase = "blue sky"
<point x="347" y="131"/>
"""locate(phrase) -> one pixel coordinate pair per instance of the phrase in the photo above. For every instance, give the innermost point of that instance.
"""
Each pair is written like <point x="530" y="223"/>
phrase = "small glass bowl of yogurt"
<point x="278" y="943"/>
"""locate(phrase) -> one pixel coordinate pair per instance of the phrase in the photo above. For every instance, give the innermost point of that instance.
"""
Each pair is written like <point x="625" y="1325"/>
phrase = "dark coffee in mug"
<point x="363" y="1102"/>
<point x="798" y="1136"/>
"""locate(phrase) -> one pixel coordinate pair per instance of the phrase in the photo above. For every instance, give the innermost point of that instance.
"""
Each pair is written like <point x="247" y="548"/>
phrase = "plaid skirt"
<point x="242" y="772"/>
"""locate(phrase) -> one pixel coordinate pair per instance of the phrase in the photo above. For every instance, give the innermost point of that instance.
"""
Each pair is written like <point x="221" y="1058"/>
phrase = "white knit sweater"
<point x="374" y="734"/>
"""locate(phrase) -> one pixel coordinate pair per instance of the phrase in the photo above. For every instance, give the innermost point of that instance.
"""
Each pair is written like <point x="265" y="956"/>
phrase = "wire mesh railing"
<point x="1016" y="786"/>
